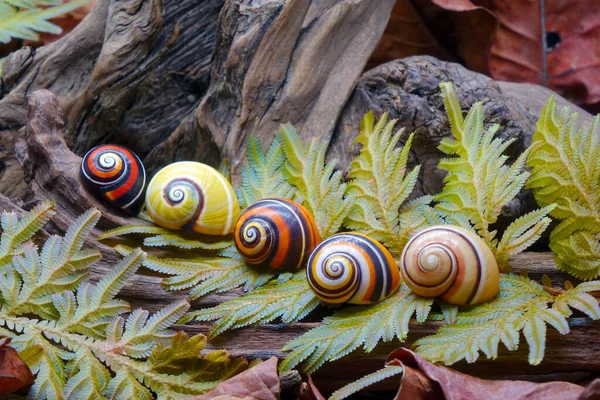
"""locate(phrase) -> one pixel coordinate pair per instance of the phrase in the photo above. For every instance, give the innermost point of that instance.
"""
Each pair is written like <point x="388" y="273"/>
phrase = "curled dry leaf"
<point x="591" y="391"/>
<point x="308" y="391"/>
<point x="424" y="380"/>
<point x="14" y="373"/>
<point x="260" y="382"/>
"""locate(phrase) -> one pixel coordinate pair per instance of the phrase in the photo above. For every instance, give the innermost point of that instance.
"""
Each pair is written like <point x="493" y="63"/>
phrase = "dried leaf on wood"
<point x="424" y="380"/>
<point x="14" y="373"/>
<point x="260" y="382"/>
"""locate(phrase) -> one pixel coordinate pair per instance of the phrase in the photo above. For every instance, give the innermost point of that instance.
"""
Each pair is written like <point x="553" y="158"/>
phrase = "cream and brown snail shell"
<point x="352" y="268"/>
<point x="452" y="263"/>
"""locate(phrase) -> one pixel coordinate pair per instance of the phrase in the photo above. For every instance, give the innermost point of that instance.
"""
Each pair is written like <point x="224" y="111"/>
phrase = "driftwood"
<point x="192" y="79"/>
<point x="572" y="357"/>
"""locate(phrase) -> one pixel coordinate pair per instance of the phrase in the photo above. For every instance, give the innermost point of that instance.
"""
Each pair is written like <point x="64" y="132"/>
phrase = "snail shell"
<point x="193" y="197"/>
<point x="352" y="268"/>
<point x="116" y="174"/>
<point x="452" y="263"/>
<point x="278" y="233"/>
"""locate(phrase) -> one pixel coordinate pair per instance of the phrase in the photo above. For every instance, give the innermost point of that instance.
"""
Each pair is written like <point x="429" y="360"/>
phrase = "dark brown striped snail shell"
<point x="452" y="263"/>
<point x="278" y="233"/>
<point x="352" y="268"/>
<point x="117" y="175"/>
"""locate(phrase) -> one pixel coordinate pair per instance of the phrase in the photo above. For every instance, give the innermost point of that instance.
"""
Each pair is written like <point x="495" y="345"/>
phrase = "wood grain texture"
<point x="128" y="74"/>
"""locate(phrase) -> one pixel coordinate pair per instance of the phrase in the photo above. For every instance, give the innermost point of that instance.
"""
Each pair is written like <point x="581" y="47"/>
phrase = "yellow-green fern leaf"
<point x="21" y="19"/>
<point x="319" y="185"/>
<point x="566" y="171"/>
<point x="380" y="186"/>
<point x="521" y="306"/>
<point x="353" y="327"/>
<point x="480" y="182"/>
<point x="290" y="300"/>
<point x="74" y="335"/>
<point x="366" y="381"/>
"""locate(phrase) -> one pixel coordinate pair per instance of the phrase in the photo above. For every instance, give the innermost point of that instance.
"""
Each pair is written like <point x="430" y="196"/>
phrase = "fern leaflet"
<point x="566" y="171"/>
<point x="521" y="306"/>
<point x="290" y="299"/>
<point x="356" y="326"/>
<point x="479" y="182"/>
<point x="23" y="18"/>
<point x="380" y="185"/>
<point x="366" y="381"/>
<point x="319" y="185"/>
<point x="262" y="176"/>
<point x="73" y="334"/>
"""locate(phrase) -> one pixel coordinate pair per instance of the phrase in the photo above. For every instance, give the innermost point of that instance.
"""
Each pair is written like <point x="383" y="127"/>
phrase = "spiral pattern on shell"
<point x="450" y="262"/>
<point x="278" y="233"/>
<point x="193" y="197"/>
<point x="116" y="174"/>
<point x="352" y="268"/>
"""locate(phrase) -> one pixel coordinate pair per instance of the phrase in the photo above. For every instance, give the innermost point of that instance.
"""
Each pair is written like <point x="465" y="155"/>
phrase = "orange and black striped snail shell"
<point x="116" y="174"/>
<point x="352" y="268"/>
<point x="450" y="262"/>
<point x="278" y="233"/>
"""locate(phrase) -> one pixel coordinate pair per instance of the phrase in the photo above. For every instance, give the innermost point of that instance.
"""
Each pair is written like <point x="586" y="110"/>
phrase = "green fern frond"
<point x="353" y="327"/>
<point x="16" y="231"/>
<point x="380" y="185"/>
<point x="23" y="19"/>
<point x="290" y="300"/>
<point x="161" y="237"/>
<point x="205" y="274"/>
<point x="366" y="381"/>
<point x="521" y="306"/>
<point x="319" y="185"/>
<point x="73" y="334"/>
<point x="479" y="182"/>
<point x="263" y="176"/>
<point x="566" y="171"/>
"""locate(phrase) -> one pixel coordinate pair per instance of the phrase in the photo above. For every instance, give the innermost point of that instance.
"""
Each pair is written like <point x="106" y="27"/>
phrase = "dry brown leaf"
<point x="451" y="30"/>
<point x="591" y="391"/>
<point x="465" y="31"/>
<point x="260" y="382"/>
<point x="308" y="391"/>
<point x="14" y="373"/>
<point x="424" y="380"/>
<point x="571" y="67"/>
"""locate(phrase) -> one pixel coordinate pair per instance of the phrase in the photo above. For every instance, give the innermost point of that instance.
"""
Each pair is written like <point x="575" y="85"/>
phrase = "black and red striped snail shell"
<point x="116" y="174"/>
<point x="352" y="268"/>
<point x="278" y="233"/>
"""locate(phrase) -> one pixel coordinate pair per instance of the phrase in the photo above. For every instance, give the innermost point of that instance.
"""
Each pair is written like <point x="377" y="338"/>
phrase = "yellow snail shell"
<point x="192" y="197"/>
<point x="452" y="263"/>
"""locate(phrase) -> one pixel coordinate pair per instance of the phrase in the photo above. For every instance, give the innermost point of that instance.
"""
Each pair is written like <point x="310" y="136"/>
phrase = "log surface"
<point x="572" y="357"/>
